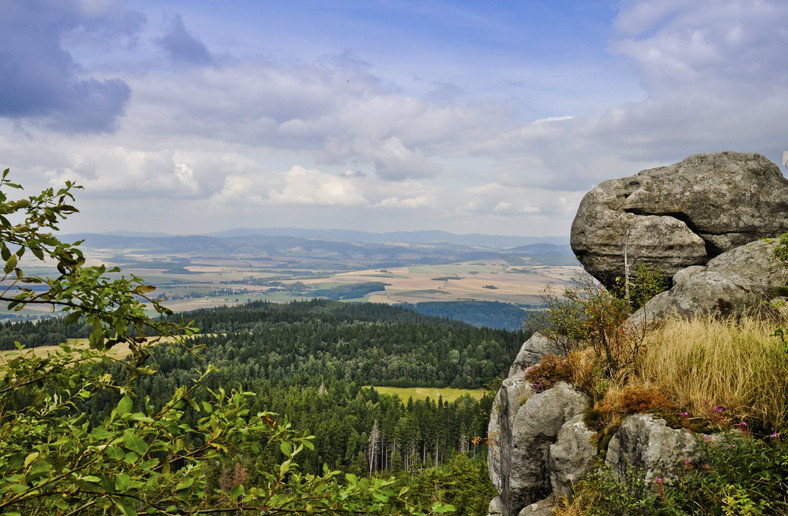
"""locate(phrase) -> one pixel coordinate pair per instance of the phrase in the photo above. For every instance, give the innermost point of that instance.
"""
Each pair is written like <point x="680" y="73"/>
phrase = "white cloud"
<point x="304" y="186"/>
<point x="420" y="201"/>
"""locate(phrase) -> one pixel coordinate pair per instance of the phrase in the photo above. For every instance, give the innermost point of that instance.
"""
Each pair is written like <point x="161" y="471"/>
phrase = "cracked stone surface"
<point x="732" y="283"/>
<point x="680" y="215"/>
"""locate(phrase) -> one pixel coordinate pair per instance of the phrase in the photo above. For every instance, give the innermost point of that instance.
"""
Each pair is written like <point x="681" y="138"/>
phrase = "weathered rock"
<point x="532" y="351"/>
<point x="495" y="507"/>
<point x="524" y="425"/>
<point x="646" y="446"/>
<point x="571" y="456"/>
<point x="733" y="283"/>
<point x="680" y="215"/>
<point x="540" y="508"/>
<point x="514" y="391"/>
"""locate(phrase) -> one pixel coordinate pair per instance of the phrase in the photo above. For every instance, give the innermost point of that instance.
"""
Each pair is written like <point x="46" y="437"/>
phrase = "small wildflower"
<point x="658" y="480"/>
<point x="684" y="414"/>
<point x="687" y="461"/>
<point x="706" y="437"/>
<point x="774" y="435"/>
<point x="742" y="425"/>
<point x="718" y="409"/>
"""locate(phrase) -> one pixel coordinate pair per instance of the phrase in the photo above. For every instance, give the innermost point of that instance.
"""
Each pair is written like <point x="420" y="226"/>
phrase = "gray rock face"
<point x="730" y="284"/>
<point x="540" y="508"/>
<point x="571" y="456"/>
<point x="524" y="425"/>
<point x="680" y="215"/>
<point x="647" y="446"/>
<point x="532" y="351"/>
<point x="494" y="509"/>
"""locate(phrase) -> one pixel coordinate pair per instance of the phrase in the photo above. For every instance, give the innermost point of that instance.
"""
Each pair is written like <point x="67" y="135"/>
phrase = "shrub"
<point x="551" y="370"/>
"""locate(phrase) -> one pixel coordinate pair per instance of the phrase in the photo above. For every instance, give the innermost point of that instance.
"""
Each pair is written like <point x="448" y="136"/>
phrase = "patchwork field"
<point x="201" y="275"/>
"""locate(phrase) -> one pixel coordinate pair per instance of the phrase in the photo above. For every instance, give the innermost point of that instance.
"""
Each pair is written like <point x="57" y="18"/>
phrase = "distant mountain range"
<point x="348" y="248"/>
<point x="345" y="235"/>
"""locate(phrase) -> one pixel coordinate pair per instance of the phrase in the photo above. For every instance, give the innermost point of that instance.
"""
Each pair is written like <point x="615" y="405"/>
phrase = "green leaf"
<point x="122" y="482"/>
<point x="38" y="469"/>
<point x="31" y="457"/>
<point x="236" y="492"/>
<point x="10" y="263"/>
<point x="37" y="252"/>
<point x="132" y="442"/>
<point x="100" y="433"/>
<point x="125" y="509"/>
<point x="91" y="478"/>
<point x="286" y="448"/>
<point x="71" y="318"/>
<point x="114" y="452"/>
<point x="125" y="405"/>
<point x="185" y="484"/>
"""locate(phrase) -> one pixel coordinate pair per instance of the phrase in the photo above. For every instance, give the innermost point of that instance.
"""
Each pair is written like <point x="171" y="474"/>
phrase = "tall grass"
<point x="736" y="365"/>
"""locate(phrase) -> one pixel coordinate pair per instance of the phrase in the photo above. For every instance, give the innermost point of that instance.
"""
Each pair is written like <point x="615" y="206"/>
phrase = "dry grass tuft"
<point x="737" y="366"/>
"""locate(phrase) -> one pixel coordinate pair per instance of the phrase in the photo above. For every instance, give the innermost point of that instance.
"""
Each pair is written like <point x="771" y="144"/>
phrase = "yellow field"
<point x="422" y="393"/>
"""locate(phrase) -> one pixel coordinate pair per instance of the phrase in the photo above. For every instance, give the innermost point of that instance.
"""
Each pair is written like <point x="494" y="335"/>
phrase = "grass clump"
<point x="729" y="370"/>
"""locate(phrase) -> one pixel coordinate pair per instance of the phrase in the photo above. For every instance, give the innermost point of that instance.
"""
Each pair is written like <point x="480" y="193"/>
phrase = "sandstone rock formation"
<point x="646" y="445"/>
<point x="523" y="425"/>
<point x="532" y="351"/>
<point x="571" y="456"/>
<point x="700" y="221"/>
<point x="680" y="215"/>
<point x="730" y="284"/>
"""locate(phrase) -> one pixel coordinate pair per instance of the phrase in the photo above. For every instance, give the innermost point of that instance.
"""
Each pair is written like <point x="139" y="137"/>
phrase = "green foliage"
<point x="152" y="460"/>
<point x="141" y="457"/>
<point x="115" y="308"/>
<point x="463" y="483"/>
<point x="781" y="249"/>
<point x="589" y="316"/>
<point x="647" y="282"/>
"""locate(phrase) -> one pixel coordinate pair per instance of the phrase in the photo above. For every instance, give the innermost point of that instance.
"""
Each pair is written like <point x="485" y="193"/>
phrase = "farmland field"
<point x="421" y="393"/>
<point x="200" y="276"/>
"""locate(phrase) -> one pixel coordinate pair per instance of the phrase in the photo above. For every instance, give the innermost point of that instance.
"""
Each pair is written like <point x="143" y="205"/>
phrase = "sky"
<point x="495" y="117"/>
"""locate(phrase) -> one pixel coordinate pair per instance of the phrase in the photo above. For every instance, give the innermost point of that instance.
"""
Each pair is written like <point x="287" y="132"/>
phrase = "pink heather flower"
<point x="688" y="461"/>
<point x="718" y="409"/>
<point x="707" y="437"/>
<point x="774" y="435"/>
<point x="658" y="480"/>
<point x="684" y="414"/>
<point x="742" y="425"/>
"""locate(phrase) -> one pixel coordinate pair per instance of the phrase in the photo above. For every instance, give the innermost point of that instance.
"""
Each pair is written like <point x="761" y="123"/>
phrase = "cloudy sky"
<point x="494" y="117"/>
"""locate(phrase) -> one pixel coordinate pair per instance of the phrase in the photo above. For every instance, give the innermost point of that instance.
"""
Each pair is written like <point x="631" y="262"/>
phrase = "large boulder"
<point x="733" y="283"/>
<point x="645" y="446"/>
<point x="523" y="425"/>
<point x="680" y="215"/>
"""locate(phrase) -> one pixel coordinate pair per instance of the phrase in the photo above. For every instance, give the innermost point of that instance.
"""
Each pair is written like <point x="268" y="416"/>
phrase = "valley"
<point x="207" y="271"/>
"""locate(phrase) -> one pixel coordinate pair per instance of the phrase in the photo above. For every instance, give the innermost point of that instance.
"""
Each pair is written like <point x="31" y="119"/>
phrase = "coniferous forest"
<point x="313" y="362"/>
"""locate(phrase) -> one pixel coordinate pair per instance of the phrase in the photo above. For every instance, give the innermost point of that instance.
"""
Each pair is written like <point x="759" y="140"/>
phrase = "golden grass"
<point x="704" y="362"/>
